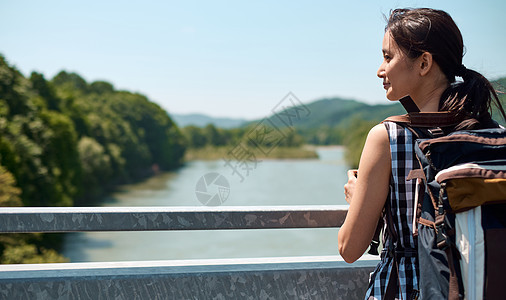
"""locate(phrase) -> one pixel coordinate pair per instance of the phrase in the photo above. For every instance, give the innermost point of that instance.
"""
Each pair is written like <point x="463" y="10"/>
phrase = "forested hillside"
<point x="65" y="142"/>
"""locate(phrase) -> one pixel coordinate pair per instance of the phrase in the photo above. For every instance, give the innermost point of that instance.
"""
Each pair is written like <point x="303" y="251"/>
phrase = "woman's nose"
<point x="381" y="72"/>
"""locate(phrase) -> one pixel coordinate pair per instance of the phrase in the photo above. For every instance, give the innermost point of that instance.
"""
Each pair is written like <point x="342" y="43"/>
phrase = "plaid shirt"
<point x="402" y="194"/>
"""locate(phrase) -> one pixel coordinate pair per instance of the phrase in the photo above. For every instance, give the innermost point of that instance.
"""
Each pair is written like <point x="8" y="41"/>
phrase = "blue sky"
<point x="230" y="58"/>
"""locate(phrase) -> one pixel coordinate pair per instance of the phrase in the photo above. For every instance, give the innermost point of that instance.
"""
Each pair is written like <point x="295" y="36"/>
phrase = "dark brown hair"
<point x="429" y="30"/>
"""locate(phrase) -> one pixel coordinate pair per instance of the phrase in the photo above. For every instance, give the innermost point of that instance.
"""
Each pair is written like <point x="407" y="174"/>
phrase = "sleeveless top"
<point x="402" y="195"/>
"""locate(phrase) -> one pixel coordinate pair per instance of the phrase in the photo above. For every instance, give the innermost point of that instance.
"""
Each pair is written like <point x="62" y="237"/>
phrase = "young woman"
<point x="422" y="56"/>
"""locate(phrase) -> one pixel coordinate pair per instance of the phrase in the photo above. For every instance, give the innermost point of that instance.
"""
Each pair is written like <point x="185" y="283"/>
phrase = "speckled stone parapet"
<point x="71" y="219"/>
<point x="266" y="278"/>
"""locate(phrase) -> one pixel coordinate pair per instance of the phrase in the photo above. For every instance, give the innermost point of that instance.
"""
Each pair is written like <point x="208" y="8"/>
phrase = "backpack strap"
<point x="409" y="105"/>
<point x="427" y="119"/>
<point x="427" y="125"/>
<point x="393" y="280"/>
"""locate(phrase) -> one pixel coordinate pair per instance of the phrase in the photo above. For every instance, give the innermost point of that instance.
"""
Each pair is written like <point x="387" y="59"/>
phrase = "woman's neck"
<point x="428" y="99"/>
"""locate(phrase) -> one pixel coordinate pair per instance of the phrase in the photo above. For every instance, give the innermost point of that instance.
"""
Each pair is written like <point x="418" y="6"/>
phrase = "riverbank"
<point x="221" y="152"/>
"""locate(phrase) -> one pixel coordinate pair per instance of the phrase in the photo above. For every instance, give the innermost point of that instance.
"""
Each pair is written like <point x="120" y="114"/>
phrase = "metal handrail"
<point x="82" y="219"/>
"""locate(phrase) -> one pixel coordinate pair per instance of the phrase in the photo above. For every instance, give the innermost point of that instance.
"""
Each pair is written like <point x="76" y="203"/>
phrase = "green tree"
<point x="13" y="90"/>
<point x="101" y="87"/>
<point x="96" y="168"/>
<point x="62" y="156"/>
<point x="195" y="136"/>
<point x="214" y="135"/>
<point x="70" y="83"/>
<point x="45" y="90"/>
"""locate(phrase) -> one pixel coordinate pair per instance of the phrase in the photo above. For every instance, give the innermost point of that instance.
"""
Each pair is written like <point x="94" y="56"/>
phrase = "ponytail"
<point x="472" y="97"/>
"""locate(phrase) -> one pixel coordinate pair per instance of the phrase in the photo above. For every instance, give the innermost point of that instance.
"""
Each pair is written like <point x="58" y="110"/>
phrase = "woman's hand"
<point x="349" y="187"/>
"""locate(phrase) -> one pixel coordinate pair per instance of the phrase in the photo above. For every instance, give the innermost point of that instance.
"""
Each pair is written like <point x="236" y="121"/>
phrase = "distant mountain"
<point x="201" y="120"/>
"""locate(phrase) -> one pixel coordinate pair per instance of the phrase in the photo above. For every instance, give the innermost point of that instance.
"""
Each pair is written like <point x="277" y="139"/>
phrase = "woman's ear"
<point x="425" y="63"/>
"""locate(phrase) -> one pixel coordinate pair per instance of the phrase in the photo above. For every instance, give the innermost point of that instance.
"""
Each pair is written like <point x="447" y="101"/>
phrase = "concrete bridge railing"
<point x="320" y="277"/>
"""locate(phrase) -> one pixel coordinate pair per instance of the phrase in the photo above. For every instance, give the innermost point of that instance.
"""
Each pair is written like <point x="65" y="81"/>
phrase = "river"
<point x="270" y="182"/>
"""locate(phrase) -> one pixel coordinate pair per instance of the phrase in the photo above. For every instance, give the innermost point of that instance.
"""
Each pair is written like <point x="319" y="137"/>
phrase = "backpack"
<point x="460" y="204"/>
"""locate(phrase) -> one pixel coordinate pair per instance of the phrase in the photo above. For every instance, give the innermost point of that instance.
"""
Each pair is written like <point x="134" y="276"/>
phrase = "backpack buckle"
<point x="436" y="132"/>
<point x="441" y="237"/>
<point x="373" y="249"/>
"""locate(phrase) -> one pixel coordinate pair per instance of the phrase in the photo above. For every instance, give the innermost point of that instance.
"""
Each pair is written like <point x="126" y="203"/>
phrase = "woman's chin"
<point x="390" y="97"/>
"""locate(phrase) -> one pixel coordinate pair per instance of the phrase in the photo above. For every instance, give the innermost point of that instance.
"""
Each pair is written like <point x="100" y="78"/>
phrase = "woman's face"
<point x="399" y="76"/>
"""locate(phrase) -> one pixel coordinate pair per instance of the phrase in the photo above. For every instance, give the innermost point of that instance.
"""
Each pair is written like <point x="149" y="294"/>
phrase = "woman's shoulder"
<point x="378" y="135"/>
